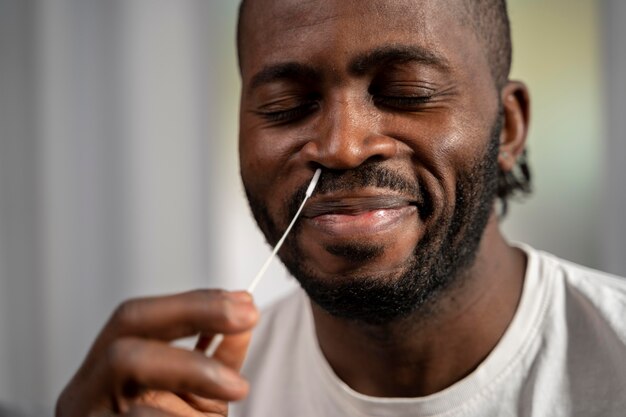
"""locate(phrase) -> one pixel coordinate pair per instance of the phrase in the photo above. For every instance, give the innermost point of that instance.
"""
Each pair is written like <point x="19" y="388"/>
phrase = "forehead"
<point x="279" y="30"/>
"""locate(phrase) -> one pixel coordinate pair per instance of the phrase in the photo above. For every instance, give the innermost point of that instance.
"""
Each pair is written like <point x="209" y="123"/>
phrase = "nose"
<point x="348" y="135"/>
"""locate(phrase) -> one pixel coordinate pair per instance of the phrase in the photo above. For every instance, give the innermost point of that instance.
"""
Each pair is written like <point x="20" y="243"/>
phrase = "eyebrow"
<point x="360" y="65"/>
<point x="294" y="71"/>
<point x="397" y="54"/>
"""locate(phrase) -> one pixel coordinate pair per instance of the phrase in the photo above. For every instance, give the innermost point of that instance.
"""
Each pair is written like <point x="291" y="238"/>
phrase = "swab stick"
<point x="218" y="338"/>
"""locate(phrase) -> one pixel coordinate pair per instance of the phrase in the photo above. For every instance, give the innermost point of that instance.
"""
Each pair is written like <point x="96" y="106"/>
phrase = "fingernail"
<point x="240" y="296"/>
<point x="232" y="379"/>
<point x="245" y="315"/>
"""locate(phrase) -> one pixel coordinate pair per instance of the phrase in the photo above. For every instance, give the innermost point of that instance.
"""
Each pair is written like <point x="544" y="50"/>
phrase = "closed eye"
<point x="289" y="115"/>
<point x="407" y="103"/>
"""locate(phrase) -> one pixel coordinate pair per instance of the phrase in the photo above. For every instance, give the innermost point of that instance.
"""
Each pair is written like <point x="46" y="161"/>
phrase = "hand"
<point x="133" y="370"/>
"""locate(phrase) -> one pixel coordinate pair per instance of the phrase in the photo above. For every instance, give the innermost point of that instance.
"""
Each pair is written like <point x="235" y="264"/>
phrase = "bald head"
<point x="488" y="18"/>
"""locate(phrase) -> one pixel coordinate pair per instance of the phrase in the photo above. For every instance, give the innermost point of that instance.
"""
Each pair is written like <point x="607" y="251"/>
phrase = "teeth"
<point x="354" y="205"/>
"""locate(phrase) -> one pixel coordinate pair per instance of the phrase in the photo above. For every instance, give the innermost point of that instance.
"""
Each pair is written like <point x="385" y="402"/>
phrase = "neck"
<point x="438" y="345"/>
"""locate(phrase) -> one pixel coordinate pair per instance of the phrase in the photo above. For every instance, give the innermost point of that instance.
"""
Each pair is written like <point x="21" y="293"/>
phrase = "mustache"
<point x="366" y="175"/>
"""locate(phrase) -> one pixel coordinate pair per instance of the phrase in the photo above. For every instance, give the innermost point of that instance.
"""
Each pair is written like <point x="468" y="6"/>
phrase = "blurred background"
<point x="119" y="176"/>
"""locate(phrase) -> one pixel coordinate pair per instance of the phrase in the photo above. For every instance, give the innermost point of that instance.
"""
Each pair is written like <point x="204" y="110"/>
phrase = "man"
<point x="415" y="304"/>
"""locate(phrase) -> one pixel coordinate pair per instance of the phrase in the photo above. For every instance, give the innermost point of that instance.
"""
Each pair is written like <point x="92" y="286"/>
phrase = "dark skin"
<point x="353" y="92"/>
<point x="414" y="357"/>
<point x="364" y="114"/>
<point x="132" y="370"/>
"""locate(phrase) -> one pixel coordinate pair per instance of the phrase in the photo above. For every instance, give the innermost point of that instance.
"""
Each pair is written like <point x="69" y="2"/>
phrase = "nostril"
<point x="347" y="150"/>
<point x="376" y="158"/>
<point x="314" y="166"/>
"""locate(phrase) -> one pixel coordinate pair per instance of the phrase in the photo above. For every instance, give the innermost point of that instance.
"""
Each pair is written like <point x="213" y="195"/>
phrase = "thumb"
<point x="232" y="350"/>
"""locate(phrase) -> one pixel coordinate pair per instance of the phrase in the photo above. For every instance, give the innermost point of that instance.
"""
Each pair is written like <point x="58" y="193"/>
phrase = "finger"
<point x="146" y="411"/>
<point x="232" y="350"/>
<point x="176" y="316"/>
<point x="205" y="405"/>
<point x="134" y="365"/>
<point x="182" y="404"/>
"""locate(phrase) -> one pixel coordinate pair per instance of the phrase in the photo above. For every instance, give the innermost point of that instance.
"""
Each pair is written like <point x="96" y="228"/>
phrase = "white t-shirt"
<point x="564" y="354"/>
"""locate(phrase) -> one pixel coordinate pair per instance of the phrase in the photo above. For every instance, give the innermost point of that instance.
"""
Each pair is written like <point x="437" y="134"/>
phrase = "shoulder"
<point x="584" y="294"/>
<point x="594" y="284"/>
<point x="551" y="267"/>
<point x="578" y="339"/>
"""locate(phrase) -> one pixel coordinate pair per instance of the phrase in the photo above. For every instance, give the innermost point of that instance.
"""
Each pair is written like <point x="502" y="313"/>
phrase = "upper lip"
<point x="354" y="203"/>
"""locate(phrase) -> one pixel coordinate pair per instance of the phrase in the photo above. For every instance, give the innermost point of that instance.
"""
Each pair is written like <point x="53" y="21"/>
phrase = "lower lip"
<point x="367" y="223"/>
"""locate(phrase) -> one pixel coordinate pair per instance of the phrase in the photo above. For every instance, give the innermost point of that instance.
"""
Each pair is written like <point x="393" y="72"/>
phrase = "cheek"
<point x="269" y="164"/>
<point x="268" y="153"/>
<point x="269" y="173"/>
<point x="438" y="146"/>
<point x="457" y="151"/>
<point x="444" y="148"/>
<point x="446" y="142"/>
<point x="258" y="159"/>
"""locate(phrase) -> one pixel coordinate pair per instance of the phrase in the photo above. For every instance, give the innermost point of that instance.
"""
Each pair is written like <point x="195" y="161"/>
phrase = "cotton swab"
<point x="218" y="338"/>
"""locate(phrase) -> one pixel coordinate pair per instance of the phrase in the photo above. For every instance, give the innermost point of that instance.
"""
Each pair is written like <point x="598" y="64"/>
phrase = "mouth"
<point x="358" y="215"/>
<point x="354" y="205"/>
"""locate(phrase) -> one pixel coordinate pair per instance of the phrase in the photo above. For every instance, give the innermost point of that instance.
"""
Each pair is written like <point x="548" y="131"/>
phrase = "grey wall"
<point x="107" y="145"/>
<point x="21" y="341"/>
<point x="614" y="212"/>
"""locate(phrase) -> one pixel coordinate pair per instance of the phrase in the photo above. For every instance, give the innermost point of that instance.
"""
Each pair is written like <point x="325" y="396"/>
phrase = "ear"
<point x="516" y="107"/>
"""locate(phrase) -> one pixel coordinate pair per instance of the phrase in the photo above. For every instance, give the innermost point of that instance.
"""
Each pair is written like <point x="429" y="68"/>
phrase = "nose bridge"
<point x="346" y="128"/>
<point x="348" y="135"/>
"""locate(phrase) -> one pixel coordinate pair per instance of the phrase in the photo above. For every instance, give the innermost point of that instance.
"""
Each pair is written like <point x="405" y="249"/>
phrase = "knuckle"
<point x="227" y="315"/>
<point x="210" y="295"/>
<point x="128" y="313"/>
<point x="224" y="313"/>
<point x="119" y="355"/>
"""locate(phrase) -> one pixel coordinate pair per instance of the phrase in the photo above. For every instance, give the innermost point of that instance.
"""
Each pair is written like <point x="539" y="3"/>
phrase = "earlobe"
<point x="516" y="109"/>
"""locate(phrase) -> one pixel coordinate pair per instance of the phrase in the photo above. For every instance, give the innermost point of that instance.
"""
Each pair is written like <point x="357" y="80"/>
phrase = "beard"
<point x="440" y="258"/>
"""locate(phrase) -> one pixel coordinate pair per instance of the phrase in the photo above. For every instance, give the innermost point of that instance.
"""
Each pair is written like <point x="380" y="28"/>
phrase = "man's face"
<point x="395" y="102"/>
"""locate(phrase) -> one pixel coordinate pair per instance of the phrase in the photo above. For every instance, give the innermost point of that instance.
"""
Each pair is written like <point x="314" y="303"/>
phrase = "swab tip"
<point x="316" y="177"/>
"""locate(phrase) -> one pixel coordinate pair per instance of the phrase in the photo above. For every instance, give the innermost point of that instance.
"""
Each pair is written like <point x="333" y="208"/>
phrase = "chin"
<point x="335" y="261"/>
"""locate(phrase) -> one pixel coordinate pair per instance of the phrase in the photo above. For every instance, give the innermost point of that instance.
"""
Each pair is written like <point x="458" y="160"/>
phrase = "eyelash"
<point x="402" y="103"/>
<point x="303" y="110"/>
<point x="290" y="115"/>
